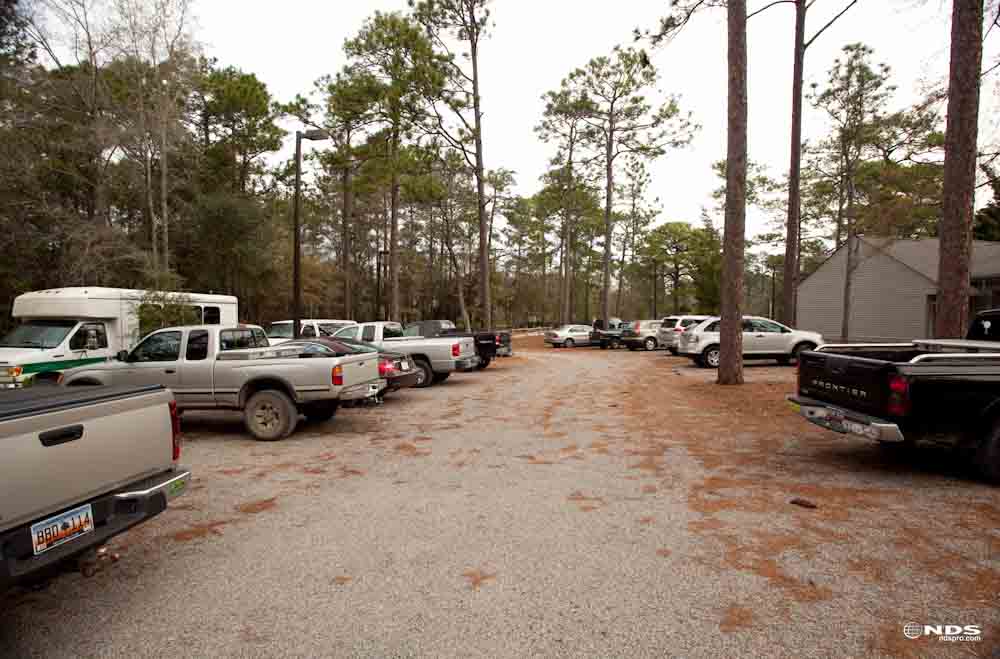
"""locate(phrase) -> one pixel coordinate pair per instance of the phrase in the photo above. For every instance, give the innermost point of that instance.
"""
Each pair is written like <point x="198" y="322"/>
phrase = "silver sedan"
<point x="568" y="336"/>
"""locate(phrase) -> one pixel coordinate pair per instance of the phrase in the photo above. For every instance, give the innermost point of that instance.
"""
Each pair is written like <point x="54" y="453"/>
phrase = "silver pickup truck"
<point x="78" y="467"/>
<point x="220" y="367"/>
<point x="435" y="359"/>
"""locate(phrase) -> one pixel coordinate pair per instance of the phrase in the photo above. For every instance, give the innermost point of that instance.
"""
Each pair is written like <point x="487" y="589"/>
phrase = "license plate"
<point x="62" y="528"/>
<point x="403" y="366"/>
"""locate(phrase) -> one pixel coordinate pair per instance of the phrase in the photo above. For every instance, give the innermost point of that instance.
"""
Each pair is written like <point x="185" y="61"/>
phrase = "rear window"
<point x="670" y="322"/>
<point x="688" y="322"/>
<point x="237" y="339"/>
<point x="985" y="328"/>
<point x="392" y="331"/>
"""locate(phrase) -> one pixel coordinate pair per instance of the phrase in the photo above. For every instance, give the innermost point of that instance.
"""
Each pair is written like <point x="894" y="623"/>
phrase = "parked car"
<point x="78" y="467"/>
<point x="220" y="367"/>
<point x="435" y="359"/>
<point x="641" y="334"/>
<point x="607" y="334"/>
<point x="62" y="328"/>
<point x="671" y="329"/>
<point x="762" y="339"/>
<point x="945" y="391"/>
<point x="568" y="336"/>
<point x="488" y="342"/>
<point x="395" y="368"/>
<point x="282" y="330"/>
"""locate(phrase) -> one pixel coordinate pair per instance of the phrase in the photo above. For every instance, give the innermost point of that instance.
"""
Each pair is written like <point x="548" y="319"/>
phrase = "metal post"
<point x="297" y="256"/>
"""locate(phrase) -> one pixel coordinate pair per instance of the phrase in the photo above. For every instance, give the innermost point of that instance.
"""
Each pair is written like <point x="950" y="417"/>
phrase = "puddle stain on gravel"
<point x="476" y="578"/>
<point x="256" y="507"/>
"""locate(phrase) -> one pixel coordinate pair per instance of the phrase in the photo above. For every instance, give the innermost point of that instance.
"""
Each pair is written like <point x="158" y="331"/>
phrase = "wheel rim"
<point x="266" y="416"/>
<point x="712" y="358"/>
<point x="569" y="343"/>
<point x="650" y="344"/>
<point x="421" y="376"/>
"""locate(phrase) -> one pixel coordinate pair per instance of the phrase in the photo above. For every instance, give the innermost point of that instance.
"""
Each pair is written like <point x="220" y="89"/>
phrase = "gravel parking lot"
<point x="562" y="503"/>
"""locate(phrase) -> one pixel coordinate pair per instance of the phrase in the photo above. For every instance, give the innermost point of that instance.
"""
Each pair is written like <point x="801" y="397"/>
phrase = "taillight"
<point x="456" y="350"/>
<point x="498" y="339"/>
<point x="385" y="367"/>
<point x="678" y="329"/>
<point x="899" y="395"/>
<point x="337" y="376"/>
<point x="175" y="428"/>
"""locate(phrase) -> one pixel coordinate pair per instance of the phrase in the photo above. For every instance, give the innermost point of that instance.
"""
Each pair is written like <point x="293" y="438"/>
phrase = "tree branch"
<point x="768" y="6"/>
<point x="829" y="23"/>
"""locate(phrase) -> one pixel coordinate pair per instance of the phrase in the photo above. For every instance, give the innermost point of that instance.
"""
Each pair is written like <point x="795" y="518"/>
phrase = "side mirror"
<point x="92" y="343"/>
<point x="122" y="356"/>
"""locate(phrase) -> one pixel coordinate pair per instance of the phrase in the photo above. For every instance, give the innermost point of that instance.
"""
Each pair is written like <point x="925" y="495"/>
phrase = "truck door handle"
<point x="57" y="356"/>
<point x="169" y="370"/>
<point x="61" y="435"/>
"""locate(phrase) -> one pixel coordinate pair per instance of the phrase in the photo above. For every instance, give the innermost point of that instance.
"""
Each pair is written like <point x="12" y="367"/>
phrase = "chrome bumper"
<point x="363" y="390"/>
<point x="171" y="485"/>
<point x="844" y="421"/>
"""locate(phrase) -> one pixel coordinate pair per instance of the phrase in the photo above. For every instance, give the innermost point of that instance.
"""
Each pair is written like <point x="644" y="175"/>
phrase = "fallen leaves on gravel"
<point x="255" y="507"/>
<point x="477" y="577"/>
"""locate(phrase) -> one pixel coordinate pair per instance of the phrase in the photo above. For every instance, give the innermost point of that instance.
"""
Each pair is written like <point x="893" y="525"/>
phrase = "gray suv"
<point x="671" y="329"/>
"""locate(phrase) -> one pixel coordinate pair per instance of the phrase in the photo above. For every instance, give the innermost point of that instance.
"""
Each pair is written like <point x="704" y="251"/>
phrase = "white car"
<point x="309" y="328"/>
<point x="762" y="339"/>
<point x="671" y="329"/>
<point x="568" y="336"/>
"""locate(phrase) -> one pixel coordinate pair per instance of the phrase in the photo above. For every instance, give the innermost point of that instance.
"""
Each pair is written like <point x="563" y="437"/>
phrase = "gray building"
<point x="893" y="290"/>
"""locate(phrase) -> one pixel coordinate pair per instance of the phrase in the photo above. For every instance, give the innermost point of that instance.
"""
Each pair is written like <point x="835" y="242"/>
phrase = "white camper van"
<point x="62" y="328"/>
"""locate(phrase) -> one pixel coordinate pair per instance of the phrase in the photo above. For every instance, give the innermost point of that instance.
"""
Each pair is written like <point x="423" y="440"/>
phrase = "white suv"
<point x="671" y="329"/>
<point x="762" y="339"/>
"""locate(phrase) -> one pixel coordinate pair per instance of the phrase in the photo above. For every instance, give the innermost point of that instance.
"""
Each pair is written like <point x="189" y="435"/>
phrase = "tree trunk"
<point x="790" y="293"/>
<point x="347" y="212"/>
<point x="485" y="305"/>
<point x="151" y="213"/>
<point x="731" y="340"/>
<point x="164" y="215"/>
<point x="394" y="228"/>
<point x="676" y="279"/>
<point x="609" y="178"/>
<point x="851" y="261"/>
<point x="955" y="225"/>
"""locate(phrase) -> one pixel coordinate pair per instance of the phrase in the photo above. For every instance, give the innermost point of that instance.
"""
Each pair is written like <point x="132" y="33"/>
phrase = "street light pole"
<point x="314" y="134"/>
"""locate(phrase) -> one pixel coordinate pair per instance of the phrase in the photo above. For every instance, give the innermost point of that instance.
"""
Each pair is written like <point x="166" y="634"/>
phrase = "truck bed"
<point x="59" y="446"/>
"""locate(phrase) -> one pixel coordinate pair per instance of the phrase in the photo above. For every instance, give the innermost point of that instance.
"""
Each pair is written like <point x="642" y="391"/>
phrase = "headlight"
<point x="15" y="371"/>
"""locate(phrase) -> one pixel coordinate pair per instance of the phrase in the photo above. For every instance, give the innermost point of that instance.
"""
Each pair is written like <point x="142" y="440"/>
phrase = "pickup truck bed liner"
<point x="41" y="399"/>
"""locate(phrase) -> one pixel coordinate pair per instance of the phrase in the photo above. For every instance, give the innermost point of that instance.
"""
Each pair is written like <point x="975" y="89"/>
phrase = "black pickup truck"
<point x="608" y="334"/>
<point x="940" y="390"/>
<point x="489" y="343"/>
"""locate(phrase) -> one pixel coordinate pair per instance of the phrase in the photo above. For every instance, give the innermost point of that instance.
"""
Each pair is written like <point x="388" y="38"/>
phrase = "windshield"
<point x="357" y="346"/>
<point x="329" y="329"/>
<point x="280" y="331"/>
<point x="38" y="334"/>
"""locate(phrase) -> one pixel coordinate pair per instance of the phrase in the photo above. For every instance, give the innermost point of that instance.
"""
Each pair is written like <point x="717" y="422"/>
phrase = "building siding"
<point x="888" y="299"/>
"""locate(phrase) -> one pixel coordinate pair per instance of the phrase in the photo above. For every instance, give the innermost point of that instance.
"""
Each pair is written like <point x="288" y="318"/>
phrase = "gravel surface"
<point x="567" y="503"/>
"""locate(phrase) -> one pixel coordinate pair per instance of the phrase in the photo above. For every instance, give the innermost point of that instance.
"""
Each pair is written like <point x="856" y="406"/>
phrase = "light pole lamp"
<point x="313" y="134"/>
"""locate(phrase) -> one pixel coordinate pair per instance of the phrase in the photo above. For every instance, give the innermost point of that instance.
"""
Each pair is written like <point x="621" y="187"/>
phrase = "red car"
<point x="397" y="369"/>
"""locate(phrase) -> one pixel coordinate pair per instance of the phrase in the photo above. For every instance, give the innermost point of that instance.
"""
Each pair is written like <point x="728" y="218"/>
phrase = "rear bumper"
<point x="636" y="341"/>
<point x="844" y="421"/>
<point x="408" y="379"/>
<point x="113" y="513"/>
<point x="505" y="351"/>
<point x="363" y="390"/>
<point x="459" y="364"/>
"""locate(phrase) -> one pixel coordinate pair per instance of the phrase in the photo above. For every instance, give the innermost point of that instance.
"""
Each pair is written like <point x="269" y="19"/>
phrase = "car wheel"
<point x="569" y="343"/>
<point x="615" y="344"/>
<point x="650" y="343"/>
<point x="710" y="357"/>
<point x="798" y="350"/>
<point x="320" y="412"/>
<point x="441" y="377"/>
<point x="483" y="363"/>
<point x="425" y="376"/>
<point x="988" y="455"/>
<point x="270" y="415"/>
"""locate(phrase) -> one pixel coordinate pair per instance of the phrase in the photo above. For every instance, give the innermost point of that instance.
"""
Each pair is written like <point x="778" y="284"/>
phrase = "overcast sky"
<point x="535" y="43"/>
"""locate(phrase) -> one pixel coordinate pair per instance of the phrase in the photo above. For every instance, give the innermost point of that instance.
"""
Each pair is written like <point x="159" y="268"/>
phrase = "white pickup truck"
<point x="231" y="367"/>
<point x="435" y="359"/>
<point x="78" y="467"/>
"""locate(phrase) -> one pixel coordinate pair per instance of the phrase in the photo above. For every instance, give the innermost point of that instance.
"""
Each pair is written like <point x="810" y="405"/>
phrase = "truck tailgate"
<point x="62" y="446"/>
<point x="359" y="368"/>
<point x="854" y="383"/>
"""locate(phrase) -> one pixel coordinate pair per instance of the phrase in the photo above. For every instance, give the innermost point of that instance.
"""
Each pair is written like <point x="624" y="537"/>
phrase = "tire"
<point x="484" y="362"/>
<point x="320" y="412"/>
<point x="270" y="415"/>
<point x="988" y="455"/>
<point x="604" y="345"/>
<point x="796" y="351"/>
<point x="672" y="351"/>
<point x="569" y="343"/>
<point x="425" y="376"/>
<point x="710" y="357"/>
<point x="440" y="377"/>
<point x="615" y="344"/>
<point x="650" y="344"/>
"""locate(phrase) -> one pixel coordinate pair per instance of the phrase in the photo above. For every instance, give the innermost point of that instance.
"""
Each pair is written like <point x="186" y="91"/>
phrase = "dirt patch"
<point x="410" y="450"/>
<point x="347" y="472"/>
<point x="236" y="471"/>
<point x="477" y="578"/>
<point x="735" y="618"/>
<point x="646" y="521"/>
<point x="535" y="460"/>
<point x="663" y="552"/>
<point x="585" y="503"/>
<point x="255" y="507"/>
<point x="342" y="580"/>
<point x="196" y="531"/>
